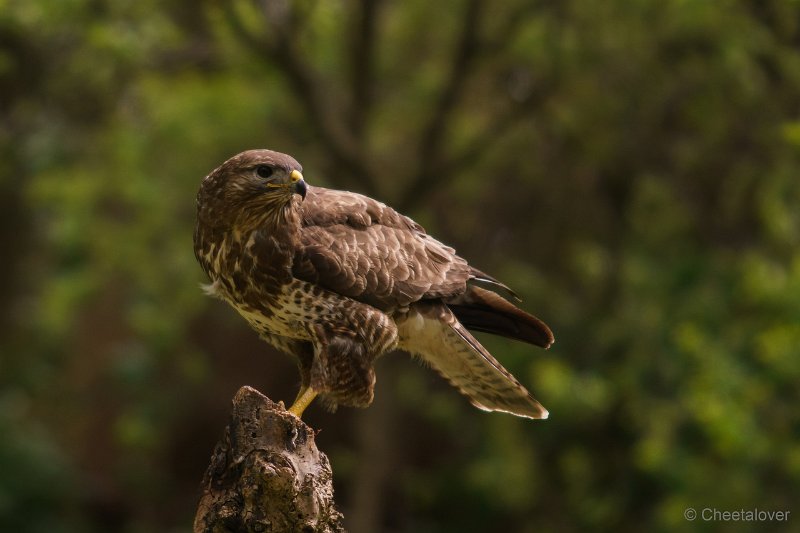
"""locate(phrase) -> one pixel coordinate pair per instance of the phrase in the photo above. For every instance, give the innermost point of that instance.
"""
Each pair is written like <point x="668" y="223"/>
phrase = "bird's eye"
<point x="264" y="171"/>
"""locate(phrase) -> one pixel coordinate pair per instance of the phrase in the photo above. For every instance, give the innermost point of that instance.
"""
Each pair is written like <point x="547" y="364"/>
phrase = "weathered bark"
<point x="266" y="474"/>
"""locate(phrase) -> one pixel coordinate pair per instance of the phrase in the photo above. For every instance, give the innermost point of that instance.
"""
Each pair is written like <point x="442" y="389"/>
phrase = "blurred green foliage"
<point x="630" y="168"/>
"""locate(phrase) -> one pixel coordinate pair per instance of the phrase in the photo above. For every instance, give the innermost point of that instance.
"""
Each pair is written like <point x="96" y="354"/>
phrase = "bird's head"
<point x="250" y="187"/>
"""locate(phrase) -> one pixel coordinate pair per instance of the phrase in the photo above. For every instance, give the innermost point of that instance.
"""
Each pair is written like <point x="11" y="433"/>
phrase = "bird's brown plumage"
<point x="338" y="279"/>
<point x="365" y="250"/>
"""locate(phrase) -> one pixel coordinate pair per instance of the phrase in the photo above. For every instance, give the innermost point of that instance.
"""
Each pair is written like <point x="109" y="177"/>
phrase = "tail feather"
<point x="483" y="279"/>
<point x="486" y="311"/>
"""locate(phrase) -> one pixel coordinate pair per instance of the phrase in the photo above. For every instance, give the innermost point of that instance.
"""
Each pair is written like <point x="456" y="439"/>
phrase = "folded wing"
<point x="363" y="249"/>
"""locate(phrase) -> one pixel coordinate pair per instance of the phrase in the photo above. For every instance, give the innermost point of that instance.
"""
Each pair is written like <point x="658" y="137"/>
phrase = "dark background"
<point x="630" y="168"/>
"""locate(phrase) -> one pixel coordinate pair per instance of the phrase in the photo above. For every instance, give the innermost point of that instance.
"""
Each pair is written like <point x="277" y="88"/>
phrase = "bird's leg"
<point x="303" y="400"/>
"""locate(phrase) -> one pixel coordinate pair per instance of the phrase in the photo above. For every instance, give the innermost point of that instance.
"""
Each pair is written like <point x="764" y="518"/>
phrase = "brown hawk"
<point x="337" y="279"/>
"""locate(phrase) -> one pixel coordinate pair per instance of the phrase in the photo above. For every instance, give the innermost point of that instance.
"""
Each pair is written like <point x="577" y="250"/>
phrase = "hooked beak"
<point x="298" y="183"/>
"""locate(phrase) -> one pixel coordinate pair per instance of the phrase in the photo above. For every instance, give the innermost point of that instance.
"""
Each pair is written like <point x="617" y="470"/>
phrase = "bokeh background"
<point x="630" y="168"/>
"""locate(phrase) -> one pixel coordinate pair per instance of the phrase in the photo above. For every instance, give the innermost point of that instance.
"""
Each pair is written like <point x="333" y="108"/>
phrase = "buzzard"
<point x="337" y="279"/>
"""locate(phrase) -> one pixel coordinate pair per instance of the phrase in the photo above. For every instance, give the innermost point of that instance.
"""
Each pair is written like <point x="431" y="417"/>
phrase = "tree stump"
<point x="266" y="474"/>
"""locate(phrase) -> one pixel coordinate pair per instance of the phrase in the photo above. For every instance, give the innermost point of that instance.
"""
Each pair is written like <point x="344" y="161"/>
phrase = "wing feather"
<point x="482" y="310"/>
<point x="433" y="333"/>
<point x="363" y="249"/>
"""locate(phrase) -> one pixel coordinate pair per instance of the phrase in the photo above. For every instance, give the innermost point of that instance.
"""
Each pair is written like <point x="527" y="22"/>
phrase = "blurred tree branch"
<point x="362" y="66"/>
<point x="320" y="111"/>
<point x="469" y="51"/>
<point x="342" y="129"/>
<point x="433" y="133"/>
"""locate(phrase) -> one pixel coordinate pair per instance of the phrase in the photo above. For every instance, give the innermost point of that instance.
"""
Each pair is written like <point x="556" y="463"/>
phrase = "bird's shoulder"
<point x="329" y="207"/>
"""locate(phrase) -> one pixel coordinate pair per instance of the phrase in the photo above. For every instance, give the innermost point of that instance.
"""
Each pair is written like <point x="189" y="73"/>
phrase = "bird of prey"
<point x="337" y="279"/>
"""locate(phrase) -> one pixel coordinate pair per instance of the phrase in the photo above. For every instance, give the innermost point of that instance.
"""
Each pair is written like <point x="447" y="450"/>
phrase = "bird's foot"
<point x="303" y="400"/>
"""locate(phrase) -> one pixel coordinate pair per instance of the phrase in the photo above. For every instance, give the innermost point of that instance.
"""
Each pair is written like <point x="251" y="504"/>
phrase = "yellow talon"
<point x="303" y="400"/>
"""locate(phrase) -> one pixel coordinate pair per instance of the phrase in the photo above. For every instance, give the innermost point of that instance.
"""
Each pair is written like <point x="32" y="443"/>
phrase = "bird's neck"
<point x="279" y="220"/>
<point x="281" y="225"/>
